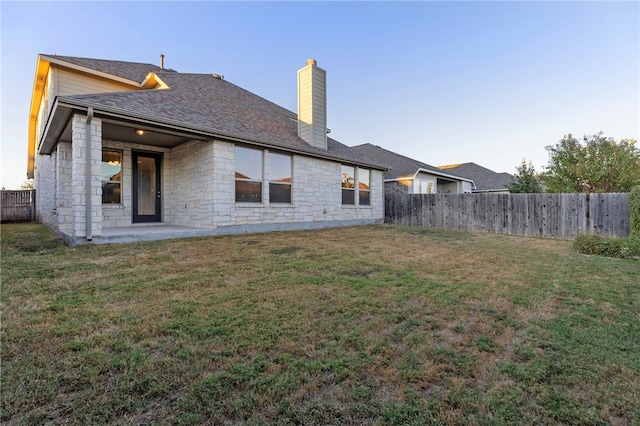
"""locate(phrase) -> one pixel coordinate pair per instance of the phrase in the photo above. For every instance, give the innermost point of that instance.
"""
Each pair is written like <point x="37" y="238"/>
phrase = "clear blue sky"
<point x="442" y="82"/>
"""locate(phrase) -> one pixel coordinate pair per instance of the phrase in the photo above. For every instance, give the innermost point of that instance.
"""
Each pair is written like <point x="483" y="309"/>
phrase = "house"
<point x="486" y="180"/>
<point x="123" y="151"/>
<point x="407" y="175"/>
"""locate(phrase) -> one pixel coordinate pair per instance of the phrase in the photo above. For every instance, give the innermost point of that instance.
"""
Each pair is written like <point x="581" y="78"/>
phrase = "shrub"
<point x="632" y="247"/>
<point x="634" y="200"/>
<point x="595" y="244"/>
<point x="611" y="247"/>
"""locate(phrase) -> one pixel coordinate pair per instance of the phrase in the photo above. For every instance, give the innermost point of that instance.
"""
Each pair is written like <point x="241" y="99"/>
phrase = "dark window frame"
<point x="278" y="186"/>
<point x="348" y="184"/>
<point x="364" y="195"/>
<point x="112" y="186"/>
<point x="246" y="196"/>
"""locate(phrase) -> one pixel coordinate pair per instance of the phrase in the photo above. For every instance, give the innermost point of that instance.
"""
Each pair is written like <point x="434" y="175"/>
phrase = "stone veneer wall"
<point x="64" y="187"/>
<point x="190" y="184"/>
<point x="200" y="176"/>
<point x="54" y="188"/>
<point x="316" y="194"/>
<point x="60" y="182"/>
<point x="199" y="190"/>
<point x="78" y="176"/>
<point x="45" y="184"/>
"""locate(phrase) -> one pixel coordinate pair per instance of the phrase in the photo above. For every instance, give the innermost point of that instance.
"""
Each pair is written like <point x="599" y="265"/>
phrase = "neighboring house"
<point x="115" y="145"/>
<point x="486" y="180"/>
<point x="407" y="175"/>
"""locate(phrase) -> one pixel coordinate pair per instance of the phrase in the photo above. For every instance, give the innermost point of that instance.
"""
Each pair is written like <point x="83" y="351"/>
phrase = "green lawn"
<point x="375" y="325"/>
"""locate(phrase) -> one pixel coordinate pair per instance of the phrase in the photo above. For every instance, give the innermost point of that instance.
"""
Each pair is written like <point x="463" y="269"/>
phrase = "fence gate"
<point x="18" y="206"/>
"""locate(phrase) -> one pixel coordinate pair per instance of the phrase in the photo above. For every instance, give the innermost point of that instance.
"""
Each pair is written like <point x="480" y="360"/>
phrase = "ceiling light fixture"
<point x="139" y="132"/>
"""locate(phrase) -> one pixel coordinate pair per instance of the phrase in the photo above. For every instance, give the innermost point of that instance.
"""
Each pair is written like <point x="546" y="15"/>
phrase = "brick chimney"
<point x="312" y="104"/>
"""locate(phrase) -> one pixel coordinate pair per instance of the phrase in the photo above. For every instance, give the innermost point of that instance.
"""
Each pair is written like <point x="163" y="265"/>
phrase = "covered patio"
<point x="154" y="232"/>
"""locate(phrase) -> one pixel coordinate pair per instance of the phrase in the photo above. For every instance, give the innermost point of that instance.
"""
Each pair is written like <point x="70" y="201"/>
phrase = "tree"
<point x="595" y="164"/>
<point x="526" y="180"/>
<point x="28" y="184"/>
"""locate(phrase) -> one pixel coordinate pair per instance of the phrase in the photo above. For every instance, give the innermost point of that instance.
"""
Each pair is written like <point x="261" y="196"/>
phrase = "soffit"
<point x="126" y="132"/>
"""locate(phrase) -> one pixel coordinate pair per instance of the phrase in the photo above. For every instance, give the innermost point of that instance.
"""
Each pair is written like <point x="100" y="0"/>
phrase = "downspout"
<point x="88" y="147"/>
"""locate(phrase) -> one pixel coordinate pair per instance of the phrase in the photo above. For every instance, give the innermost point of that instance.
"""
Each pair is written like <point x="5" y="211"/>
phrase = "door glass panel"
<point x="146" y="186"/>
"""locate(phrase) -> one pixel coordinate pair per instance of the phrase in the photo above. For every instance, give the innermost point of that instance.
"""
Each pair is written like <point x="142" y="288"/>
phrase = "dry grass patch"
<point x="366" y="325"/>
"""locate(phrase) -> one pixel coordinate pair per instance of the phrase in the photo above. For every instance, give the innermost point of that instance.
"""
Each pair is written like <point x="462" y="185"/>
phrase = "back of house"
<point x="117" y="145"/>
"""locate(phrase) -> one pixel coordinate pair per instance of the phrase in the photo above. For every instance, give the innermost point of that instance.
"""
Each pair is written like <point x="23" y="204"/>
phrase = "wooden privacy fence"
<point x="18" y="206"/>
<point x="562" y="216"/>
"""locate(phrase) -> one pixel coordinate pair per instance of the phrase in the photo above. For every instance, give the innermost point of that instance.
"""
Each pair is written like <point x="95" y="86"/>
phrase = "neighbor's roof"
<point x="206" y="104"/>
<point x="399" y="165"/>
<point x="485" y="179"/>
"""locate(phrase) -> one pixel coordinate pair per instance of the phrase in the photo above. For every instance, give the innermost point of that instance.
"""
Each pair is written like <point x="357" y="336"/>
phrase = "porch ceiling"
<point x="126" y="132"/>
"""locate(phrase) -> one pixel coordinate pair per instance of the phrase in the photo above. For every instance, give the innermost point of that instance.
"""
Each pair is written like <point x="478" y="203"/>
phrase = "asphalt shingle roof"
<point x="204" y="102"/>
<point x="485" y="179"/>
<point x="134" y="71"/>
<point x="399" y="165"/>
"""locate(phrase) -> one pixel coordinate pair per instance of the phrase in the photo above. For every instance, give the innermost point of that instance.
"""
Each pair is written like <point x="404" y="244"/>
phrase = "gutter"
<point x="88" y="146"/>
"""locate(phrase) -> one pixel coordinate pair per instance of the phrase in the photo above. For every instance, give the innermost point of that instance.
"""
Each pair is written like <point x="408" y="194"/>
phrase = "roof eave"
<point x="86" y="70"/>
<point x="58" y="119"/>
<point x="42" y="68"/>
<point x="64" y="108"/>
<point x="152" y="80"/>
<point x="399" y="179"/>
<point x="443" y="175"/>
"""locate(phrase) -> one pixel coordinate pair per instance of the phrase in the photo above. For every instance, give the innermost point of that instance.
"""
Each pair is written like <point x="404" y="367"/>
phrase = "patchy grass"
<point x="368" y="325"/>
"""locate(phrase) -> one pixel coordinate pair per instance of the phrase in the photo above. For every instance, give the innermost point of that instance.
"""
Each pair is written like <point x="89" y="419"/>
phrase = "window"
<point x="248" y="175"/>
<point x="421" y="186"/>
<point x="364" y="197"/>
<point x="348" y="185"/>
<point x="350" y="182"/>
<point x="279" y="178"/>
<point x="111" y="177"/>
